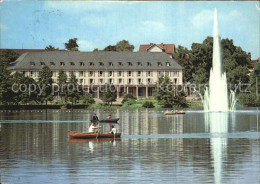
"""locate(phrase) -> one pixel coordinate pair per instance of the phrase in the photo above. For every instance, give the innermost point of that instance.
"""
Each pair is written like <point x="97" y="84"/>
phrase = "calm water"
<point x="193" y="148"/>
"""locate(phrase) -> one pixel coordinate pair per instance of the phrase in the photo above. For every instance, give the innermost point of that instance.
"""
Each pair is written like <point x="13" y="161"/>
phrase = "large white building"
<point x="130" y="72"/>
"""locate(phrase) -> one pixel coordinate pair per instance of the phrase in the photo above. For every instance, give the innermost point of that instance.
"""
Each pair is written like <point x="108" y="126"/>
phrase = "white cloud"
<point x="153" y="25"/>
<point x="85" y="45"/>
<point x="203" y="18"/>
<point x="3" y="27"/>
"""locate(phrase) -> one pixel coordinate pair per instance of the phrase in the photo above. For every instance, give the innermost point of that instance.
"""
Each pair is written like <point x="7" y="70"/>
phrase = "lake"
<point x="196" y="147"/>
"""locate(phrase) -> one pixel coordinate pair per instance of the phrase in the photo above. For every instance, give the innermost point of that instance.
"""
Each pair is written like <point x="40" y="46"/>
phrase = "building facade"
<point x="133" y="73"/>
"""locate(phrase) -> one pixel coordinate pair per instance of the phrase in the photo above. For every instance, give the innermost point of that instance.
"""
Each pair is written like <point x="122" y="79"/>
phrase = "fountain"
<point x="216" y="97"/>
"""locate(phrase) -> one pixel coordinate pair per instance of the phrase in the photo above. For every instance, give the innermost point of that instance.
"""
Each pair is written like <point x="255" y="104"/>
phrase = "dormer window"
<point x="42" y="63"/>
<point x="168" y="64"/>
<point x="32" y="63"/>
<point x="149" y="64"/>
<point x="130" y="64"/>
<point x="52" y="64"/>
<point x="91" y="64"/>
<point x="81" y="64"/>
<point x="101" y="64"/>
<point x="120" y="64"/>
<point x="110" y="64"/>
<point x="139" y="63"/>
<point x="72" y="63"/>
<point x="159" y="64"/>
<point x="62" y="64"/>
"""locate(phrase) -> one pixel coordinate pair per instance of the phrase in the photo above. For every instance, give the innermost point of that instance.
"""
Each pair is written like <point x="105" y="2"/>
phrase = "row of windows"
<point x="100" y="64"/>
<point x="110" y="73"/>
<point x="138" y="81"/>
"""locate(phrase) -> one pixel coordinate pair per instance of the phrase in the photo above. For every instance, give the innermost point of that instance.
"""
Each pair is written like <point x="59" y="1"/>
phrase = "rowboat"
<point x="84" y="135"/>
<point x="106" y="120"/>
<point x="173" y="113"/>
<point x="94" y="140"/>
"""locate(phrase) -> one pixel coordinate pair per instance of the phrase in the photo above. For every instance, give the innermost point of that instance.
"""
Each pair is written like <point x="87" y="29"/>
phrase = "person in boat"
<point x="177" y="111"/>
<point x="113" y="130"/>
<point x="95" y="119"/>
<point x="93" y="129"/>
<point x="109" y="125"/>
<point x="182" y="111"/>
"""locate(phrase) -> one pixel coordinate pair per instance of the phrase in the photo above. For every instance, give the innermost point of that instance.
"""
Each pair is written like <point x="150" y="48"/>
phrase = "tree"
<point x="8" y="56"/>
<point x="110" y="48"/>
<point x="6" y="92"/>
<point x="51" y="48"/>
<point x="255" y="78"/>
<point x="109" y="94"/>
<point x="62" y="82"/>
<point x="128" y="97"/>
<point x="72" y="44"/>
<point x="95" y="50"/>
<point x="74" y="90"/>
<point x="45" y="82"/>
<point x="124" y="45"/>
<point x="165" y="91"/>
<point x="87" y="99"/>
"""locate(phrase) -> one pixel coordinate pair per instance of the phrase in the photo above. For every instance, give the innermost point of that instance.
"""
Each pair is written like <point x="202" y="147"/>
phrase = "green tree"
<point x="72" y="44"/>
<point x="127" y="97"/>
<point x="165" y="91"/>
<point x="110" y="48"/>
<point x="74" y="90"/>
<point x="62" y="83"/>
<point x="6" y="92"/>
<point x="8" y="56"/>
<point x="45" y="82"/>
<point x="181" y="55"/>
<point x="255" y="78"/>
<point x="51" y="48"/>
<point x="87" y="99"/>
<point x="109" y="94"/>
<point x="124" y="45"/>
<point x="95" y="50"/>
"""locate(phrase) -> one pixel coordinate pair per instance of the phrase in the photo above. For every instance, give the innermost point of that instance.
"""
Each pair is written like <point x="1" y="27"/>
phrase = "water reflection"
<point x="217" y="122"/>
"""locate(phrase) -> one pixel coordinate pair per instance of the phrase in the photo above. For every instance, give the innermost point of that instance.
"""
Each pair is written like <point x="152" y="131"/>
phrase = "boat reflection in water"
<point x="92" y="143"/>
<point x="217" y="125"/>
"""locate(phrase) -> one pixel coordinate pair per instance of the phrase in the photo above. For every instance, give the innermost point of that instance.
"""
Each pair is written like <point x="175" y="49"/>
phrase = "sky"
<point x="37" y="24"/>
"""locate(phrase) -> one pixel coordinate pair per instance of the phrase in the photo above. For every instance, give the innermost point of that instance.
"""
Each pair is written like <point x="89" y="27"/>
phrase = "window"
<point x="91" y="73"/>
<point x="100" y="73"/>
<point x="72" y="63"/>
<point x="32" y="63"/>
<point x="110" y="81"/>
<point x="149" y="81"/>
<point x="81" y="81"/>
<point x="71" y="73"/>
<point x="91" y="64"/>
<point x="130" y="64"/>
<point x="110" y="73"/>
<point x="120" y="74"/>
<point x="52" y="64"/>
<point x="120" y="64"/>
<point x="168" y="64"/>
<point x="129" y="81"/>
<point x="91" y="81"/>
<point x="159" y="73"/>
<point x="100" y="81"/>
<point x="139" y="73"/>
<point x="129" y="73"/>
<point x="110" y="64"/>
<point x="139" y="81"/>
<point x="32" y="73"/>
<point x="24" y="72"/>
<point x="148" y="73"/>
<point x="81" y="64"/>
<point x="149" y="64"/>
<point x="120" y="81"/>
<point x="42" y="63"/>
<point x="175" y="81"/>
<point x="159" y="64"/>
<point x="101" y="64"/>
<point x="81" y="73"/>
<point x="139" y="64"/>
<point x="167" y="73"/>
<point x="62" y="64"/>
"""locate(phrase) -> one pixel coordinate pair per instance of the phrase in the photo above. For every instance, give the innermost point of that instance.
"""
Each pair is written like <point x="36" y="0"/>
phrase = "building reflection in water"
<point x="216" y="124"/>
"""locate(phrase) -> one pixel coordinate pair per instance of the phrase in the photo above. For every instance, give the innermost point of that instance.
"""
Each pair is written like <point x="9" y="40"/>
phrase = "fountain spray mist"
<point x="216" y="97"/>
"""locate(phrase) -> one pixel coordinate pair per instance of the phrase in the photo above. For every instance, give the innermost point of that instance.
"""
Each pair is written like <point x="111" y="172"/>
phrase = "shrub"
<point x="248" y="99"/>
<point x="148" y="104"/>
<point x="127" y="97"/>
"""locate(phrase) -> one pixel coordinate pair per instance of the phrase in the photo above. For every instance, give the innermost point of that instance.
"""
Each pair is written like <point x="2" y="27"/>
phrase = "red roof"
<point x="168" y="48"/>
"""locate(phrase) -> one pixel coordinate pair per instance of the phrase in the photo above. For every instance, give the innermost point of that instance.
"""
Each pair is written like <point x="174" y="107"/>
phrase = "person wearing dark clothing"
<point x="95" y="118"/>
